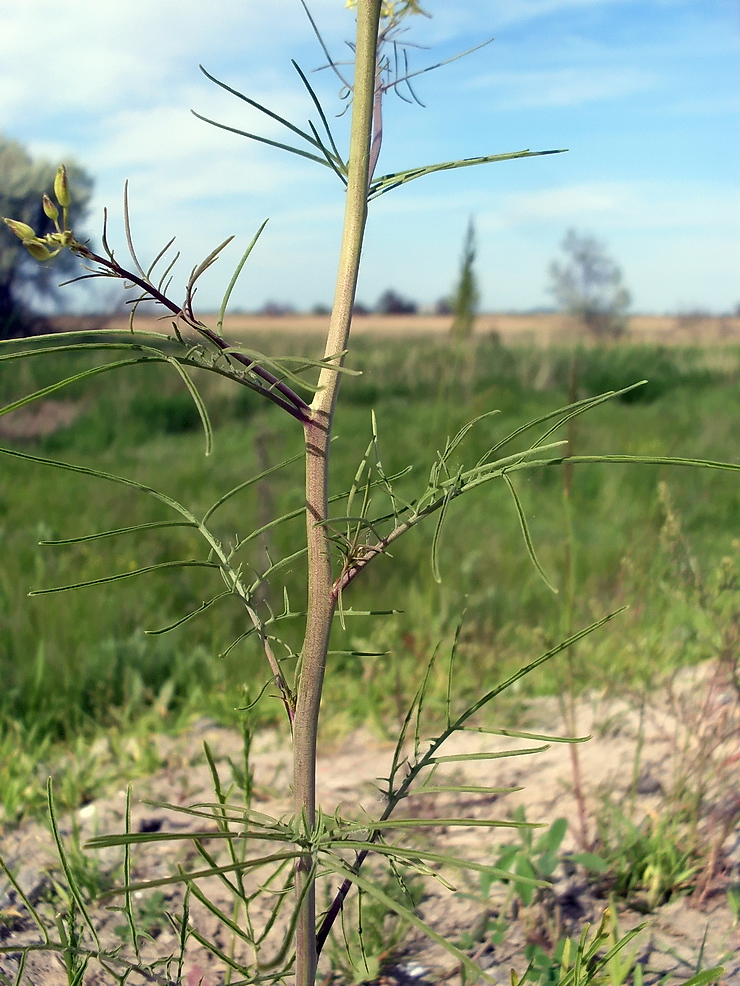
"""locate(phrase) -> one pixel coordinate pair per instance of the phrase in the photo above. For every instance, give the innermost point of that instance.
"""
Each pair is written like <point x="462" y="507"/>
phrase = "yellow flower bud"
<point x="22" y="230"/>
<point x="61" y="187"/>
<point x="37" y="249"/>
<point x="50" y="209"/>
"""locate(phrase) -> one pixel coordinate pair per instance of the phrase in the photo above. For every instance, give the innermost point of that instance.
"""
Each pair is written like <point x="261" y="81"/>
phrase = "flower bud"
<point x="50" y="210"/>
<point x="61" y="187"/>
<point x="22" y="230"/>
<point x="37" y="249"/>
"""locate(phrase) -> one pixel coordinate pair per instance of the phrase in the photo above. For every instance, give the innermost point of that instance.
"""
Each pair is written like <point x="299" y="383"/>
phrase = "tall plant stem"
<point x="569" y="701"/>
<point x="321" y="600"/>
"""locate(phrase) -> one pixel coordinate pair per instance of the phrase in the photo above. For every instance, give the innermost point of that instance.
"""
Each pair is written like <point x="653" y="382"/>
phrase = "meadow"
<point x="80" y="665"/>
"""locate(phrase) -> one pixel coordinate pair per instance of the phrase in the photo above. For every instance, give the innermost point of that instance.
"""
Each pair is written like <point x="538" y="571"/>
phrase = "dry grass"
<point x="538" y="329"/>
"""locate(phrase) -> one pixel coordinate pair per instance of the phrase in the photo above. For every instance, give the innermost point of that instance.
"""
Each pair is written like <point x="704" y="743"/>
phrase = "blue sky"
<point x="644" y="93"/>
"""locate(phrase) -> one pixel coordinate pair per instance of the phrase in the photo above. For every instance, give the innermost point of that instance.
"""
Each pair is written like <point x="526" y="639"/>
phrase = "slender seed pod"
<point x="61" y="187"/>
<point x="22" y="230"/>
<point x="50" y="210"/>
<point x="37" y="249"/>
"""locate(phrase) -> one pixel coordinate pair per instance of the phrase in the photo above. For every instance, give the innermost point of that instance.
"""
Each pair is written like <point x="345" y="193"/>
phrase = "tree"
<point x="466" y="296"/>
<point x="588" y="284"/>
<point x="391" y="303"/>
<point x="23" y="181"/>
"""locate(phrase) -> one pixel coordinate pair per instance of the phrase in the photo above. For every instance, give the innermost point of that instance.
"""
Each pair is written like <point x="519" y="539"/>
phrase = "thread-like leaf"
<point x="393" y="905"/>
<point x="64" y="860"/>
<point x="250" y="482"/>
<point x="527" y="536"/>
<point x="199" y="404"/>
<point x="235" y="278"/>
<point x="117" y="532"/>
<point x="266" y="140"/>
<point x="76" y="378"/>
<point x="191" y="615"/>
<point x="385" y="183"/>
<point x="125" y="575"/>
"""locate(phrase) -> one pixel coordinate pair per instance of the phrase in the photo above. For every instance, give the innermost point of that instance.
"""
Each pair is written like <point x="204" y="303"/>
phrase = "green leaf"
<point x="167" y="881"/>
<point x="708" y="976"/>
<point x="235" y="278"/>
<point x="199" y="404"/>
<point x="250" y="482"/>
<point x="393" y="905"/>
<point x="99" y="474"/>
<point x="120" y="530"/>
<point x="526" y="535"/>
<point x="64" y="860"/>
<point x="192" y="614"/>
<point x="497" y="755"/>
<point x="75" y="378"/>
<point x="385" y="183"/>
<point x="125" y="575"/>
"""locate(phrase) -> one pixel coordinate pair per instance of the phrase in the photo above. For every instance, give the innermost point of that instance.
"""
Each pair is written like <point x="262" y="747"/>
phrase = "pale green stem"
<point x="321" y="600"/>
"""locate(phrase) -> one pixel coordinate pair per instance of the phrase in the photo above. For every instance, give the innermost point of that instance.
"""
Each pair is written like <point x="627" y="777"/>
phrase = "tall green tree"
<point x="23" y="281"/>
<point x="466" y="296"/>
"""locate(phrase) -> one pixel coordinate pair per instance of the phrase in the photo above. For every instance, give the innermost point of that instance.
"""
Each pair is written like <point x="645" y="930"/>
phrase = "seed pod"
<point x="61" y="187"/>
<point x="22" y="230"/>
<point x="50" y="210"/>
<point x="37" y="249"/>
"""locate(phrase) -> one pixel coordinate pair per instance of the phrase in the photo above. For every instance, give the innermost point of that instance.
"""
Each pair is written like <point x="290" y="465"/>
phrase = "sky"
<point x="644" y="95"/>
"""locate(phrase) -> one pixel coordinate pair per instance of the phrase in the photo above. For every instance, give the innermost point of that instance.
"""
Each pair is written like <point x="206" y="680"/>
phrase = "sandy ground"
<point x="692" y="731"/>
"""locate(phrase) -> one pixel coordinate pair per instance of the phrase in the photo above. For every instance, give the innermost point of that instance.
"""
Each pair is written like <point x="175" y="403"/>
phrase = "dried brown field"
<point x="538" y="329"/>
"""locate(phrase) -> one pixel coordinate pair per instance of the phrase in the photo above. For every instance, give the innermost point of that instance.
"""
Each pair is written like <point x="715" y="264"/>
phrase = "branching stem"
<point x="321" y="599"/>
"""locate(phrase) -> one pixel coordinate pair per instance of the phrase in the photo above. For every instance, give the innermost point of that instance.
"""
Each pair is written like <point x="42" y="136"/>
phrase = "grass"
<point x="75" y="665"/>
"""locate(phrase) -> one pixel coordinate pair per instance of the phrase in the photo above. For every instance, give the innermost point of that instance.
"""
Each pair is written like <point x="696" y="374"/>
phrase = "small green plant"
<point x="369" y="933"/>
<point x="651" y="861"/>
<point x="347" y="529"/>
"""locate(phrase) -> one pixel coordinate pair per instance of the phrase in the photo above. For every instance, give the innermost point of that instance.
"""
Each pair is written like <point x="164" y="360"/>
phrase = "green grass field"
<point x="78" y="664"/>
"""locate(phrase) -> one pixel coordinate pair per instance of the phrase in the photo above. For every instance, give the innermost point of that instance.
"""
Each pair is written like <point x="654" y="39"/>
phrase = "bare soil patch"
<point x="638" y="752"/>
<point x="39" y="419"/>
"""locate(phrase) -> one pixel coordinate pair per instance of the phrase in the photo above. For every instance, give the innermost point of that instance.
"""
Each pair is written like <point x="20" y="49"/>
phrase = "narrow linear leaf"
<point x="119" y="530"/>
<point x="708" y="976"/>
<point x="457" y="862"/>
<point x="125" y="575"/>
<point x="520" y="734"/>
<point x="64" y="860"/>
<point x="99" y="474"/>
<point x="199" y="404"/>
<point x="192" y="614"/>
<point x="167" y="881"/>
<point x="527" y="536"/>
<point x="496" y="755"/>
<point x="319" y="108"/>
<point x="453" y="823"/>
<point x="393" y="905"/>
<point x="385" y="183"/>
<point x="75" y="378"/>
<point x="258" y="106"/>
<point x="235" y="278"/>
<point x="437" y="534"/>
<point x="566" y="412"/>
<point x="464" y="789"/>
<point x="203" y="266"/>
<point x="265" y="140"/>
<point x="250" y="482"/>
<point x="649" y="460"/>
